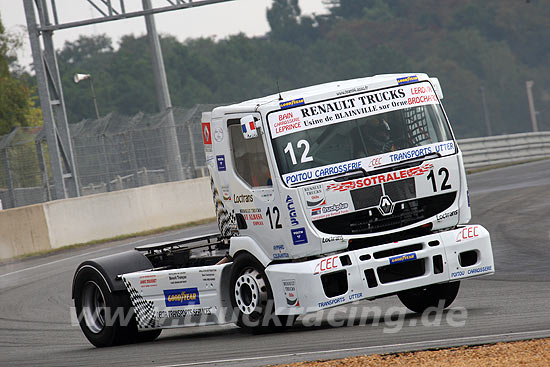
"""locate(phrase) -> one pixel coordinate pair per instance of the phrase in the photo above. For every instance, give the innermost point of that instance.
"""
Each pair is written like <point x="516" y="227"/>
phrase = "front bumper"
<point x="381" y="270"/>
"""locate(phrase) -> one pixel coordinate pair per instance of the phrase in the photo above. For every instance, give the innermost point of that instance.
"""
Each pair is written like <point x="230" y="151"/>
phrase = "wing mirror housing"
<point x="249" y="127"/>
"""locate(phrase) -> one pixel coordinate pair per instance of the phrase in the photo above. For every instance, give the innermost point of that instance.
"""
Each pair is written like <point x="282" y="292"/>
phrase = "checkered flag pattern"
<point x="144" y="310"/>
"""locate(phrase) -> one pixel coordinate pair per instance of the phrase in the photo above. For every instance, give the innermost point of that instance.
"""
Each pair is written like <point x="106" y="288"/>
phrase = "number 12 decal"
<point x="442" y="172"/>
<point x="301" y="143"/>
<point x="276" y="214"/>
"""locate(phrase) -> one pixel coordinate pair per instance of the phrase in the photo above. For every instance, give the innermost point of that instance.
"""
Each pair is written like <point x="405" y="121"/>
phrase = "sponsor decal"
<point x="181" y="297"/>
<point x="330" y="211"/>
<point x="482" y="269"/>
<point x="407" y="80"/>
<point x="291" y="292"/>
<point x="288" y="122"/>
<point x="467" y="233"/>
<point x="291" y="103"/>
<point x="299" y="236"/>
<point x="344" y="108"/>
<point x="147" y="281"/>
<point x="457" y="274"/>
<point x="447" y="215"/>
<point x="315" y="195"/>
<point x="208" y="275"/>
<point x="320" y="172"/>
<point x="256" y="218"/>
<point x="209" y="159"/>
<point x="382" y="178"/>
<point x="280" y="254"/>
<point x="266" y="195"/>
<point x="332" y="239"/>
<point x="243" y="198"/>
<point x="291" y="211"/>
<point x="177" y="278"/>
<point x="375" y="162"/>
<point x="355" y="296"/>
<point x="218" y="134"/>
<point x="325" y="264"/>
<point x="352" y="90"/>
<point x="226" y="193"/>
<point x="331" y="302"/>
<point x="176" y="314"/>
<point x="441" y="148"/>
<point x="220" y="160"/>
<point x="250" y="210"/>
<point x="402" y="258"/>
<point x="206" y="137"/>
<point x="334" y="208"/>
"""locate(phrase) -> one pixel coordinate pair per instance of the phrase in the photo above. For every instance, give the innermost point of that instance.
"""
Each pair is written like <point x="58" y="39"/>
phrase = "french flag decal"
<point x="249" y="127"/>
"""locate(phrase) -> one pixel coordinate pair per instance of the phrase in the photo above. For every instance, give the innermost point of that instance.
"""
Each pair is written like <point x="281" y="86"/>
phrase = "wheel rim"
<point x="250" y="292"/>
<point x="93" y="307"/>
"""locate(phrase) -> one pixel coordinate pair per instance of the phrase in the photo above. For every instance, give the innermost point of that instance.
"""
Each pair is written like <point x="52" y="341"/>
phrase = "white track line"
<point x="70" y="258"/>
<point x="386" y="346"/>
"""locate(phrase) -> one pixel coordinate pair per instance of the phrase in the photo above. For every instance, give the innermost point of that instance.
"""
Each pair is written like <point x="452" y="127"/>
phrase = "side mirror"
<point x="248" y="126"/>
<point x="437" y="87"/>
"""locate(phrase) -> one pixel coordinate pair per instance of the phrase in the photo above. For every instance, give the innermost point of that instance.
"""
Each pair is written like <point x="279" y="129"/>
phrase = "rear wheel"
<point x="420" y="299"/>
<point x="252" y="297"/>
<point x="106" y="318"/>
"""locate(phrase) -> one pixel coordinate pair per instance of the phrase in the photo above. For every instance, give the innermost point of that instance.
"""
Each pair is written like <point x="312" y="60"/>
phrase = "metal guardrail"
<point x="479" y="152"/>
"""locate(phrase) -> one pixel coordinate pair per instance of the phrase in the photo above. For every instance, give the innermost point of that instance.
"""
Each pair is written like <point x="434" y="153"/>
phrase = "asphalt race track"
<point x="512" y="203"/>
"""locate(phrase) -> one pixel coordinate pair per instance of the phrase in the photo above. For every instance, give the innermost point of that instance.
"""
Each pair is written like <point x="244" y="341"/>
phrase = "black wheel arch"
<point x="109" y="267"/>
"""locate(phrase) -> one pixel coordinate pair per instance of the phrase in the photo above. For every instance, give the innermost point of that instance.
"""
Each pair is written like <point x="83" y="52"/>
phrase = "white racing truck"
<point x="324" y="195"/>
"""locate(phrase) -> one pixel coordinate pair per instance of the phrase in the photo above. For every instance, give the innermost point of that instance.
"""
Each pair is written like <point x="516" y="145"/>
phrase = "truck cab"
<point x="343" y="165"/>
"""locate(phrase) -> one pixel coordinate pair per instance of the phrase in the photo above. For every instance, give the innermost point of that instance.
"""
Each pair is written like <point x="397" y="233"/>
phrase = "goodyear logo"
<point x="406" y="80"/>
<point x="402" y="258"/>
<point x="181" y="297"/>
<point x="291" y="103"/>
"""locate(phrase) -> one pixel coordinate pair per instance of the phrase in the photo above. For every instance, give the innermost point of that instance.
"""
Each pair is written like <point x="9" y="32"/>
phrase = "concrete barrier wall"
<point x="23" y="230"/>
<point x="65" y="222"/>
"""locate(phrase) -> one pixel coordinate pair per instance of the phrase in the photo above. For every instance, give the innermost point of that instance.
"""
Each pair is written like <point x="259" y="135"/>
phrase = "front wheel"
<point x="420" y="299"/>
<point x="252" y="297"/>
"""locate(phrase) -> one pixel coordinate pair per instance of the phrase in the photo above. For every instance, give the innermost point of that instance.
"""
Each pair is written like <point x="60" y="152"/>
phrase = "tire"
<point x="147" y="336"/>
<point x="252" y="297"/>
<point x="420" y="299"/>
<point x="105" y="318"/>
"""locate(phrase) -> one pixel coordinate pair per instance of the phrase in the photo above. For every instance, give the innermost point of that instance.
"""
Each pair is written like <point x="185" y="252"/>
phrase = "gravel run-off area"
<point x="532" y="353"/>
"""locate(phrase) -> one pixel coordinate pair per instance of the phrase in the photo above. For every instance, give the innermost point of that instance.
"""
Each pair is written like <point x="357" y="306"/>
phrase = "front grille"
<point x="371" y="221"/>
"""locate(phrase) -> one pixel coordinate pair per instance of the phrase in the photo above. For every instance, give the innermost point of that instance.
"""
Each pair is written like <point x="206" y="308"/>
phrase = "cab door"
<point x="249" y="180"/>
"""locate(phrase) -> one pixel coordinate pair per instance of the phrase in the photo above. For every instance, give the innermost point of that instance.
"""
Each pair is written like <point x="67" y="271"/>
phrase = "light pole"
<point x="529" y="86"/>
<point x="486" y="112"/>
<point x="78" y="78"/>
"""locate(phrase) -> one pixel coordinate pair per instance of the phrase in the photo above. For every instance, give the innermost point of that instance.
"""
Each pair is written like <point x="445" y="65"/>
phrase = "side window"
<point x="249" y="157"/>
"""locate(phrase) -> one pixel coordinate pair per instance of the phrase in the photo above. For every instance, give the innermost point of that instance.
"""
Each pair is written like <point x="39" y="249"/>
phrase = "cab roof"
<point x="326" y="90"/>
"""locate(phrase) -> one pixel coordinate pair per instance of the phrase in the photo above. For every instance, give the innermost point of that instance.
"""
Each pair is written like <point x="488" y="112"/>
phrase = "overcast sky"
<point x="217" y="20"/>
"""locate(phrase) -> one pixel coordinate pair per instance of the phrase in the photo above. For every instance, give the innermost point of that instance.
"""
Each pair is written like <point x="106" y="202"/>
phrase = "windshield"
<point x="315" y="140"/>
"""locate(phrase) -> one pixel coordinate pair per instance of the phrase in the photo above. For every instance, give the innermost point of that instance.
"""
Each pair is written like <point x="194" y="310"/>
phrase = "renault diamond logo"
<point x="386" y="206"/>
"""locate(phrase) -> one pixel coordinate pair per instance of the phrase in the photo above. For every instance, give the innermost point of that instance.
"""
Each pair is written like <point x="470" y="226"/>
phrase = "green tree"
<point x="17" y="103"/>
